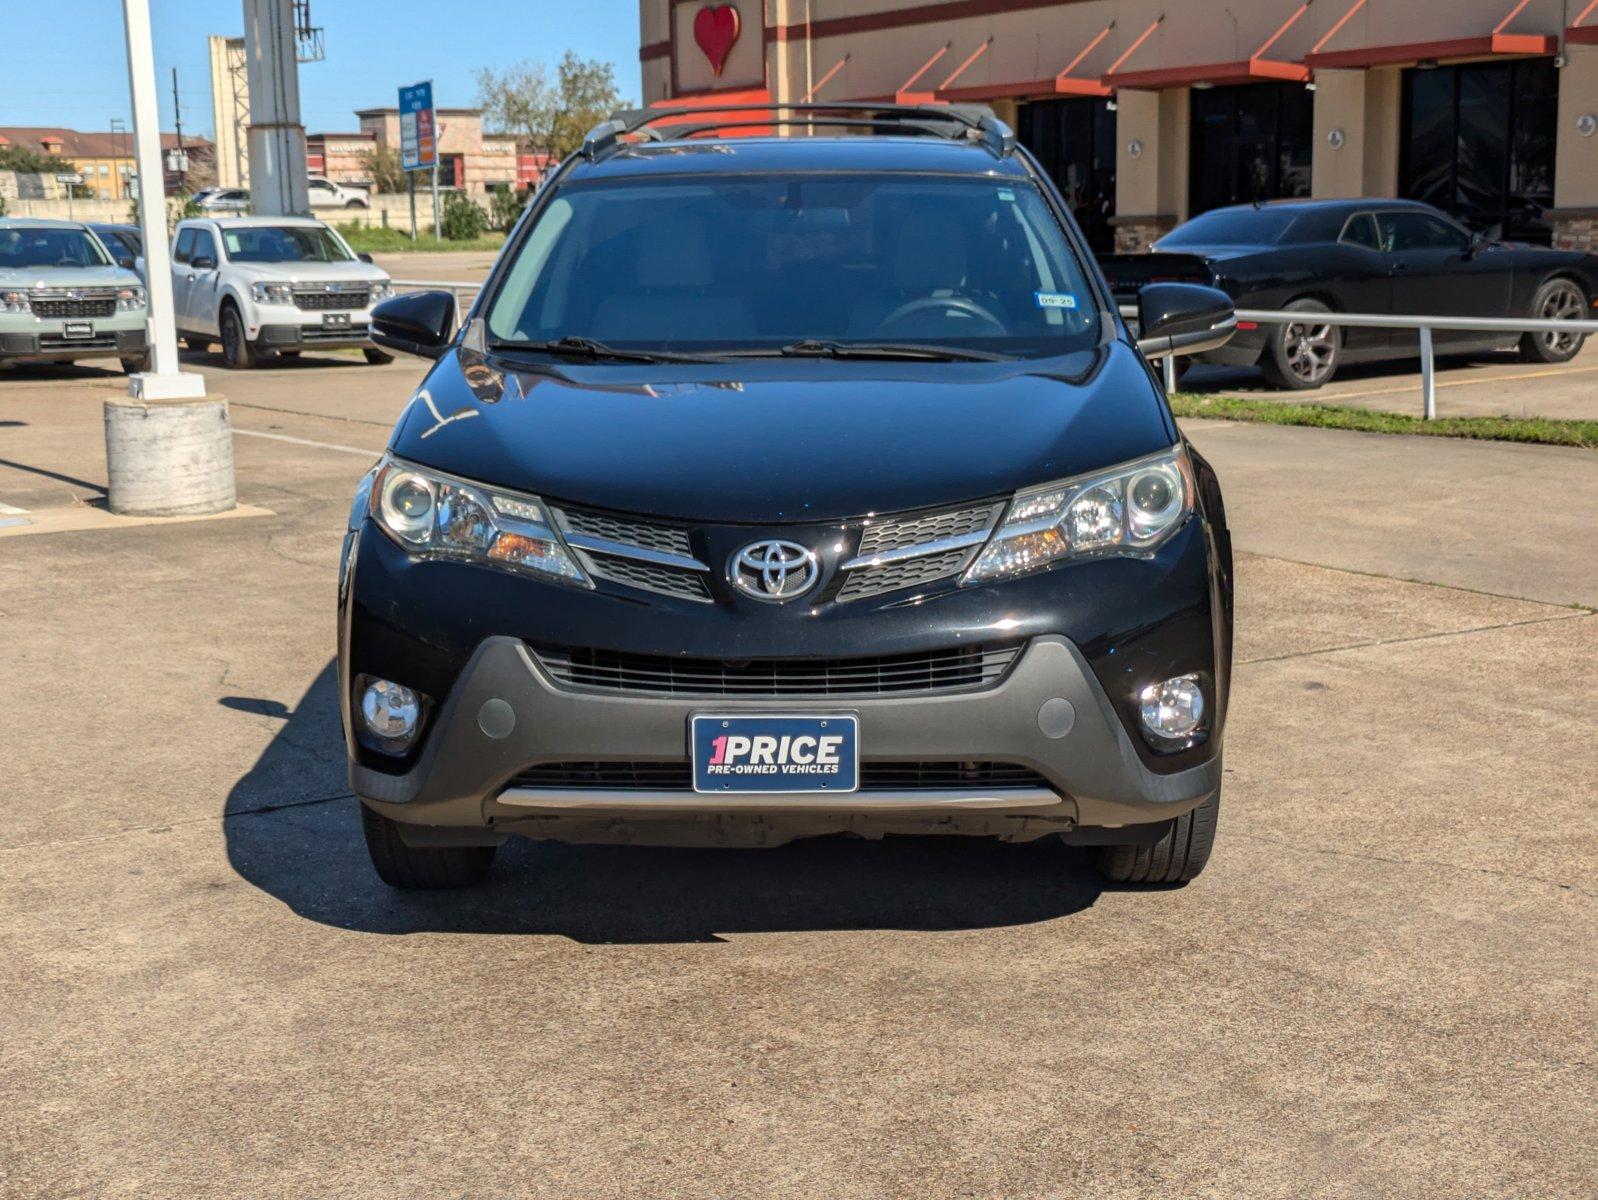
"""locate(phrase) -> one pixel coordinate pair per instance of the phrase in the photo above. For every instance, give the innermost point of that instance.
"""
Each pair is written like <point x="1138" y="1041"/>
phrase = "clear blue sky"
<point x="63" y="62"/>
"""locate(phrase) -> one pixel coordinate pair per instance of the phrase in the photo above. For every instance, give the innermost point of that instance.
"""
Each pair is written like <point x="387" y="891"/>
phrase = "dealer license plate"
<point x="78" y="329"/>
<point x="335" y="320"/>
<point x="775" y="753"/>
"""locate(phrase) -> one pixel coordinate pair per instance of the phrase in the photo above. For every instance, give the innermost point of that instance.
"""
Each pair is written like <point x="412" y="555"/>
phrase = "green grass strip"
<point x="1543" y="431"/>
<point x="375" y="239"/>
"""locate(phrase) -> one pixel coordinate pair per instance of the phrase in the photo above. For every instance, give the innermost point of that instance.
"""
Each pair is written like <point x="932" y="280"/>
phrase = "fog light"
<point x="1172" y="710"/>
<point x="390" y="710"/>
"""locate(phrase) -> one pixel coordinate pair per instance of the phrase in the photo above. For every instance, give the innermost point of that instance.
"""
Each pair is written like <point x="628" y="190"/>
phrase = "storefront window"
<point x="1478" y="143"/>
<point x="1074" y="141"/>
<point x="1251" y="141"/>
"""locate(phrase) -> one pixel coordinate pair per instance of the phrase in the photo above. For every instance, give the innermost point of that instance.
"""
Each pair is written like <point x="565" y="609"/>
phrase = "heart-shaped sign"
<point x="716" y="29"/>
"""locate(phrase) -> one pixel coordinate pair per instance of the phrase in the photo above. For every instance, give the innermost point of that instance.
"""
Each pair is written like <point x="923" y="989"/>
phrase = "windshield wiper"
<point x="814" y="348"/>
<point x="582" y="347"/>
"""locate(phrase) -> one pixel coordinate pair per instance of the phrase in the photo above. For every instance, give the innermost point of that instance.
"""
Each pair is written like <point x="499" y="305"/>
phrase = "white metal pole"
<point x="163" y="381"/>
<point x="277" y="139"/>
<point x="1169" y="367"/>
<point x="1428" y="375"/>
<point x="437" y="229"/>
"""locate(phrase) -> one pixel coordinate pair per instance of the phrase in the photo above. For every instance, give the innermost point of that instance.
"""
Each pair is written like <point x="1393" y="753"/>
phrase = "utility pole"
<point x="277" y="139"/>
<point x="177" y="122"/>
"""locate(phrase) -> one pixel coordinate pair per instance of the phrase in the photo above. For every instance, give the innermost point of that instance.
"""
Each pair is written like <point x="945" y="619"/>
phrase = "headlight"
<point x="130" y="298"/>
<point x="1128" y="510"/>
<point x="382" y="291"/>
<point x="272" y="293"/>
<point x="15" y="302"/>
<point x="439" y="516"/>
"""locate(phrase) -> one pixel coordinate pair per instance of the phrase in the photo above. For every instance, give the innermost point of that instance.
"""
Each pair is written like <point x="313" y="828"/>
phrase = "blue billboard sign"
<point x="418" y="127"/>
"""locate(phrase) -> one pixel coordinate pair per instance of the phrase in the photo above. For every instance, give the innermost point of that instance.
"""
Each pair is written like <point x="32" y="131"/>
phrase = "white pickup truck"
<point x="327" y="194"/>
<point x="266" y="286"/>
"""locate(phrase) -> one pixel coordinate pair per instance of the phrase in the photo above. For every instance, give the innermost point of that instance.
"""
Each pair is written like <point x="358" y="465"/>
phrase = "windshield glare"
<point x="283" y="244"/>
<point x="27" y="248"/>
<point x="757" y="262"/>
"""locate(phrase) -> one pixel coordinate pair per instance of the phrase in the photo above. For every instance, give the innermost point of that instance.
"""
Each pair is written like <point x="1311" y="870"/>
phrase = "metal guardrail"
<point x="1425" y="325"/>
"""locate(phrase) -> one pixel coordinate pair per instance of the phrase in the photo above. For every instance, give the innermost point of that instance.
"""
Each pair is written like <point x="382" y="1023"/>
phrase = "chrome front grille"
<point x="625" y="531"/>
<point x="676" y="775"/>
<point x="905" y="573"/>
<point x="321" y="301"/>
<point x="652" y="577"/>
<point x="635" y="553"/>
<point x="893" y="533"/>
<point x="956" y="669"/>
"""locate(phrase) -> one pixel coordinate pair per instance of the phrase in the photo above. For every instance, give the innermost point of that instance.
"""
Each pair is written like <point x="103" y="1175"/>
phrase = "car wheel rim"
<point x="1562" y="303"/>
<point x="1310" y="350"/>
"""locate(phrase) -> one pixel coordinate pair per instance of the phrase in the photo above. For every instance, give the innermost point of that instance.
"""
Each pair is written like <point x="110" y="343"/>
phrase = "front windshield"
<point x="283" y="244"/>
<point x="24" y="248"/>
<point x="755" y="262"/>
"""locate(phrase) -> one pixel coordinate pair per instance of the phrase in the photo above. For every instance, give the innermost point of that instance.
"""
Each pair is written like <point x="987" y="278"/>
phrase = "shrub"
<point x="463" y="218"/>
<point x="504" y="207"/>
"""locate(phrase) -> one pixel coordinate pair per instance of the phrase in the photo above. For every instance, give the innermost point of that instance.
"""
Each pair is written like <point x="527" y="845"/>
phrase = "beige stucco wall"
<point x="1364" y="105"/>
<point x="1576" y="178"/>
<point x="1152" y="181"/>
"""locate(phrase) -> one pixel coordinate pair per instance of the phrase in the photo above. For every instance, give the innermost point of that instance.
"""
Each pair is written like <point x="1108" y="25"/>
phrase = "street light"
<point x="169" y="450"/>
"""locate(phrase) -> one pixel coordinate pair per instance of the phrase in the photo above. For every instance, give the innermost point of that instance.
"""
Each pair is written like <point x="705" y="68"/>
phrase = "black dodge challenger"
<point x="1363" y="256"/>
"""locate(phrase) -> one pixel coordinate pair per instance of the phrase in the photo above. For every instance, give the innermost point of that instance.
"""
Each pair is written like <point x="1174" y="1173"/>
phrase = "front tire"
<point x="237" y="353"/>
<point x="421" y="868"/>
<point x="1176" y="858"/>
<point x="134" y="366"/>
<point x="377" y="357"/>
<point x="1556" y="300"/>
<point x="1302" y="355"/>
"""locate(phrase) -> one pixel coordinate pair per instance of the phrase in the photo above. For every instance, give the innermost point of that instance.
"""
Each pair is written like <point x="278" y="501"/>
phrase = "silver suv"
<point x="63" y="297"/>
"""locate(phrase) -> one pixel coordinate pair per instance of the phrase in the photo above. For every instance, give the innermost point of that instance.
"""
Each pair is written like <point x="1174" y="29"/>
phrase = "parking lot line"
<point x="369" y="455"/>
<point x="1410" y="388"/>
<point x="9" y="510"/>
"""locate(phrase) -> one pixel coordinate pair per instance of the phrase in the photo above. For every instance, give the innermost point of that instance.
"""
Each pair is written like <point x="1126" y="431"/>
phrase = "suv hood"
<point x="67" y="277"/>
<point x="769" y="441"/>
<point x="335" y="272"/>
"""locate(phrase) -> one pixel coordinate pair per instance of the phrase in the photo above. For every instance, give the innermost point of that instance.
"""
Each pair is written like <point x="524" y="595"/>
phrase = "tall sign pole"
<point x="419" y="141"/>
<point x="277" y="139"/>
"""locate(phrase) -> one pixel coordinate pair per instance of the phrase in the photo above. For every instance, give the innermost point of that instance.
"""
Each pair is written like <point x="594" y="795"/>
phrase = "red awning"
<point x="1581" y="33"/>
<point x="705" y="106"/>
<point x="1249" y="70"/>
<point x="1498" y="42"/>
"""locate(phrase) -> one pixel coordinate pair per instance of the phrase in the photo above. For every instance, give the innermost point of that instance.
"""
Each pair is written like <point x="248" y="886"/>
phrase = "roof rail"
<point x="973" y="122"/>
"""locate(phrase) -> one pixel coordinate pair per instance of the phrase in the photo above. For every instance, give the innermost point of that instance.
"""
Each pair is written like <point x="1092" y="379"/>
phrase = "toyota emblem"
<point x="774" y="571"/>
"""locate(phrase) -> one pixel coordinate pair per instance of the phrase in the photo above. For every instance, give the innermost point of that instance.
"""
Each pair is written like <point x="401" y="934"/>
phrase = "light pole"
<point x="169" y="450"/>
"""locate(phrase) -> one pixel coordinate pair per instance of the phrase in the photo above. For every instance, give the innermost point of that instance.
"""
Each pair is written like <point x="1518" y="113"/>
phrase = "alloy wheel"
<point x="1562" y="302"/>
<point x="1310" y="350"/>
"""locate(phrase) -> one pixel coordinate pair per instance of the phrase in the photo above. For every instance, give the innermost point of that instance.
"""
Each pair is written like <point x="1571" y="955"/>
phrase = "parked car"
<point x="264" y="286"/>
<point x="809" y="487"/>
<point x="63" y="298"/>
<point x="124" y="243"/>
<point x="327" y="194"/>
<point x="1370" y="256"/>
<point x="223" y="200"/>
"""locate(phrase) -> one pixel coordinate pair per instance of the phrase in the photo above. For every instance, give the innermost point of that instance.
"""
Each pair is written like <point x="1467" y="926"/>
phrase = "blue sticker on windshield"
<point x="1055" y="299"/>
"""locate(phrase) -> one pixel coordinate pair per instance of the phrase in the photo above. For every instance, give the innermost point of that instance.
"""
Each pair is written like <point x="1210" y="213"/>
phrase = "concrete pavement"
<point x="1383" y="985"/>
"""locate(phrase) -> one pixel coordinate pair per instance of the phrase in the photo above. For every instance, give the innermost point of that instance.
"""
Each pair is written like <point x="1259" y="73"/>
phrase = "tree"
<point x="551" y="115"/>
<point x="29" y="162"/>
<point x="383" y="168"/>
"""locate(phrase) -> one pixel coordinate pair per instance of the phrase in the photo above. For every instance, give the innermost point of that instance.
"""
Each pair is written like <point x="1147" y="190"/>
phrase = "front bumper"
<point x="46" y="340"/>
<point x="308" y="334"/>
<point x="463" y="778"/>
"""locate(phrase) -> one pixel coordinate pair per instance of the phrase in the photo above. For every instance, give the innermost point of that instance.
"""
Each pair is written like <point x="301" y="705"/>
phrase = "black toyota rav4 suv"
<point x="779" y="486"/>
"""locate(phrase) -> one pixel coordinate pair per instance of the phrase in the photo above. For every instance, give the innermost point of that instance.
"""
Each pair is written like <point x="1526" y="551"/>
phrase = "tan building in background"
<point x="468" y="158"/>
<point x="1149" y="111"/>
<point x="230" y="111"/>
<point x="105" y="160"/>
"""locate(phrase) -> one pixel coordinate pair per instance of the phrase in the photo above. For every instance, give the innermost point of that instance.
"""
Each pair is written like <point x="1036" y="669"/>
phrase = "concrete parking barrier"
<point x="168" y="458"/>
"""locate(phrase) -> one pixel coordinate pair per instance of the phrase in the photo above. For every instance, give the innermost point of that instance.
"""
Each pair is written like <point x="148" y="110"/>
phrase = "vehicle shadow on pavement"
<point x="293" y="830"/>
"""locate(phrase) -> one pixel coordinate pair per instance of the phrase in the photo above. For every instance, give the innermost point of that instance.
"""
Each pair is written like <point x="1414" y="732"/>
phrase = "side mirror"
<point x="126" y="262"/>
<point x="364" y="257"/>
<point x="1183" y="317"/>
<point x="1478" y="243"/>
<point x="419" y="323"/>
<point x="203" y="263"/>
